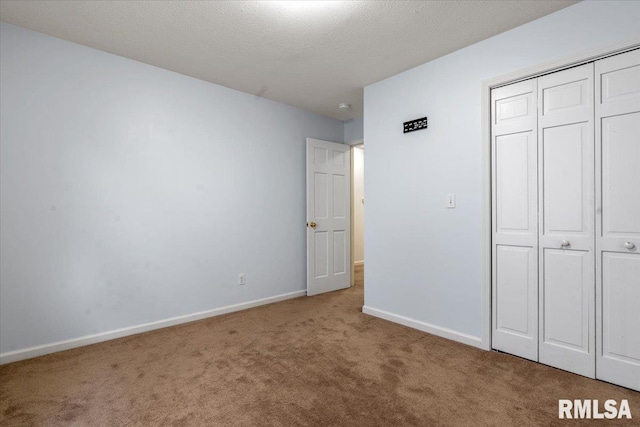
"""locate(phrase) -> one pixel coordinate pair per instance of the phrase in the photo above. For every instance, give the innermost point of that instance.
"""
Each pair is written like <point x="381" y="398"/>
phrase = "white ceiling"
<point x="310" y="54"/>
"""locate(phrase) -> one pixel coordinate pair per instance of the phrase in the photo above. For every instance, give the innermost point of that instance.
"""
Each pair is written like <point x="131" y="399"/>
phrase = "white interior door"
<point x="328" y="216"/>
<point x="515" y="230"/>
<point x="566" y="206"/>
<point x="618" y="219"/>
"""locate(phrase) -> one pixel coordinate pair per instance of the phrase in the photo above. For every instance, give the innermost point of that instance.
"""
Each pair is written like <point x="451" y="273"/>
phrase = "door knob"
<point x="565" y="244"/>
<point x="629" y="245"/>
<point x="312" y="224"/>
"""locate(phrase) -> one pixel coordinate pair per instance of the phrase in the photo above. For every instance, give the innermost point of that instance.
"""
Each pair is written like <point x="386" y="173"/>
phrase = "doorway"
<point x="357" y="215"/>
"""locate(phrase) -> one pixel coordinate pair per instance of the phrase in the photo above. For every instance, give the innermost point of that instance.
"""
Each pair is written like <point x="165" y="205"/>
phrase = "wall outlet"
<point x="451" y="201"/>
<point x="241" y="279"/>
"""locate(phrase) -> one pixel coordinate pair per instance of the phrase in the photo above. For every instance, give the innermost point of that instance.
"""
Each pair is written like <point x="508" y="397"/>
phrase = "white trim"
<point x="352" y="235"/>
<point x="425" y="327"/>
<point x="352" y="218"/>
<point x="353" y="211"/>
<point x="589" y="55"/>
<point x="41" y="350"/>
<point x="355" y="142"/>
<point x="486" y="217"/>
<point x="524" y="74"/>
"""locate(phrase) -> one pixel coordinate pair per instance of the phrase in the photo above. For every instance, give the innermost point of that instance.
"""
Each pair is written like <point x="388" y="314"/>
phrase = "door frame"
<point x="505" y="79"/>
<point x="353" y="144"/>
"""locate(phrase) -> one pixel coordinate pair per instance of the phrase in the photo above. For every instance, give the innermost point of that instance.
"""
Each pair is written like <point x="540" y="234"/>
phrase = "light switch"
<point x="451" y="201"/>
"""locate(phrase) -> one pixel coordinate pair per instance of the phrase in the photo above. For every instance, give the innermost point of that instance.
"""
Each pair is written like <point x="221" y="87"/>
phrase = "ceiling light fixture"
<point x="343" y="106"/>
<point x="305" y="6"/>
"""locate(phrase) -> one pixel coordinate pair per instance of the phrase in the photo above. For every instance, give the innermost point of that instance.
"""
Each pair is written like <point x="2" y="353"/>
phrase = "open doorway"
<point x="357" y="215"/>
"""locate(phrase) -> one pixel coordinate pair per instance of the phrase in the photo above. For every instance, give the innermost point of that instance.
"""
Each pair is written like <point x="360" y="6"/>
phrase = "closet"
<point x="566" y="219"/>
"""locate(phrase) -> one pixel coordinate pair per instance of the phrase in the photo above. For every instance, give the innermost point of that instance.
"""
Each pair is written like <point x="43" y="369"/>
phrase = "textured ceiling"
<point x="310" y="54"/>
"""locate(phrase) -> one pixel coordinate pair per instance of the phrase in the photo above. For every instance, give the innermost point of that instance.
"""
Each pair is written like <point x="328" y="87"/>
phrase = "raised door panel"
<point x="619" y="84"/>
<point x="339" y="252"/>
<point x="568" y="284"/>
<point x="516" y="301"/>
<point x="567" y="179"/>
<point x="339" y="196"/>
<point x="514" y="154"/>
<point x="621" y="307"/>
<point x="516" y="290"/>
<point x="321" y="251"/>
<point x="566" y="315"/>
<point x="564" y="97"/>
<point x="338" y="158"/>
<point x="512" y="108"/>
<point x="621" y="175"/>
<point x="321" y="195"/>
<point x="320" y="156"/>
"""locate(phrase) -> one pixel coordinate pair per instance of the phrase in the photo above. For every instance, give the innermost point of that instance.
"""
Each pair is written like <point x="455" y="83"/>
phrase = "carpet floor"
<point x="309" y="361"/>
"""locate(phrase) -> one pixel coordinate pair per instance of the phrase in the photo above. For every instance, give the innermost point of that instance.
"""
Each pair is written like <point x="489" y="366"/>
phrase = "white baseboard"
<point x="425" y="327"/>
<point x="41" y="350"/>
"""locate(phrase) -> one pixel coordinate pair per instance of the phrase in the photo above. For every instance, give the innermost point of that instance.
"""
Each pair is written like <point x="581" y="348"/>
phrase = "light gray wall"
<point x="423" y="260"/>
<point x="131" y="194"/>
<point x="354" y="131"/>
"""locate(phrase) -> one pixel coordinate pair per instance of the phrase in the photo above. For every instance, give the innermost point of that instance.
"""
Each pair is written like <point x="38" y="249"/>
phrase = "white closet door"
<point x="566" y="206"/>
<point x="515" y="248"/>
<point x="618" y="219"/>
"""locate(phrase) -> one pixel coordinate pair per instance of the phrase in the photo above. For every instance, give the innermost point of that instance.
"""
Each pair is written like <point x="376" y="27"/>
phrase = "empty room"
<point x="184" y="238"/>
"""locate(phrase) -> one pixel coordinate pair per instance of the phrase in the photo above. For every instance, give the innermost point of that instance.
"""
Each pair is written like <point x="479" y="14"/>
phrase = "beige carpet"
<point x="309" y="361"/>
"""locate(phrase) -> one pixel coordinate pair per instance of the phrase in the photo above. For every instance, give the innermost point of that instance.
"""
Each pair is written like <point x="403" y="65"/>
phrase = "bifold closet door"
<point x="618" y="219"/>
<point x="566" y="228"/>
<point x="514" y="218"/>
